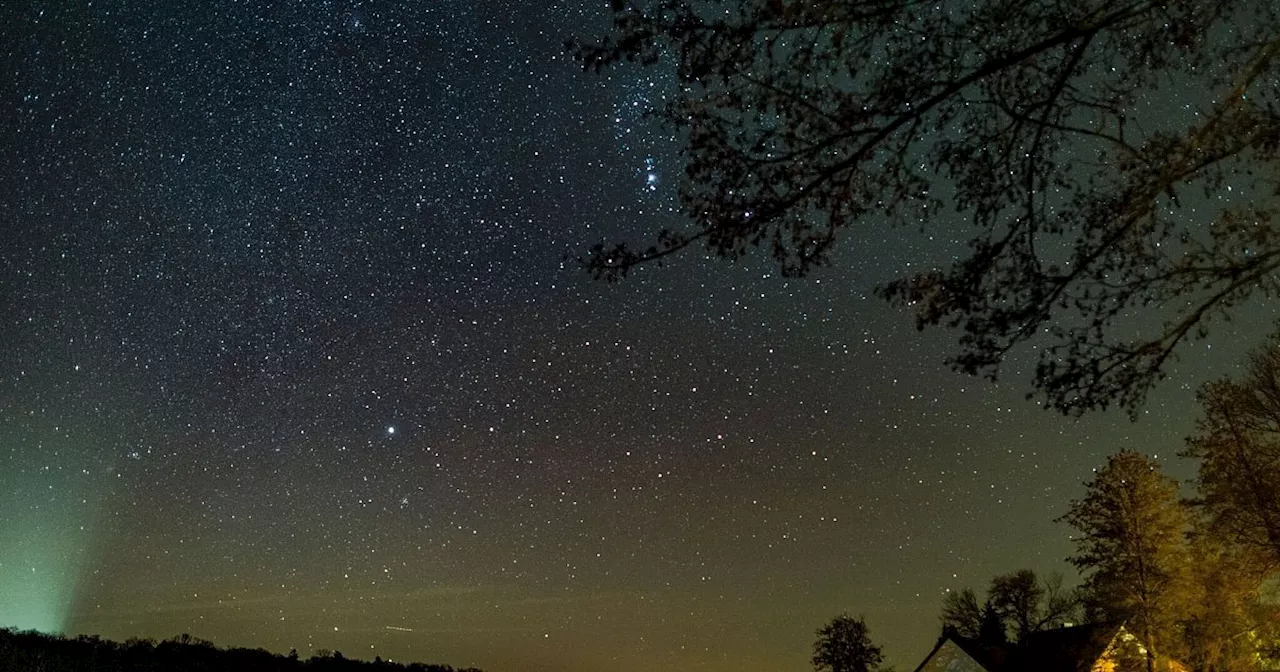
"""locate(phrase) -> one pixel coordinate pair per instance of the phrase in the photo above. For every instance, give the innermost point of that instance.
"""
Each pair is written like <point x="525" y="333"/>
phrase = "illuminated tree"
<point x="1070" y="135"/>
<point x="1231" y="626"/>
<point x="1131" y="544"/>
<point x="1237" y="443"/>
<point x="844" y="645"/>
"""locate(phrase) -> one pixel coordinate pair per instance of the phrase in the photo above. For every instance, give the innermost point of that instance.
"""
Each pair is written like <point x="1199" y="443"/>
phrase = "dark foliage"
<point x="1070" y="135"/>
<point x="1017" y="605"/>
<point x="27" y="651"/>
<point x="844" y="645"/>
<point x="1028" y="604"/>
<point x="961" y="614"/>
<point x="1238" y="445"/>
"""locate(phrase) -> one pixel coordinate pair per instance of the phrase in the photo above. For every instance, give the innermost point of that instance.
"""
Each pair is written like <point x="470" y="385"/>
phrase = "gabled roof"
<point x="992" y="657"/>
<point x="949" y="655"/>
<point x="1073" y="649"/>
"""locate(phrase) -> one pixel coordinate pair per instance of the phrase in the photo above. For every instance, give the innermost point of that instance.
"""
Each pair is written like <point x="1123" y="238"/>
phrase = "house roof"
<point x="1073" y="649"/>
<point x="948" y="654"/>
<point x="993" y="658"/>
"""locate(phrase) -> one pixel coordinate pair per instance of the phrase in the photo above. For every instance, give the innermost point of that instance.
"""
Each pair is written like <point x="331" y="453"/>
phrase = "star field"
<point x="295" y="354"/>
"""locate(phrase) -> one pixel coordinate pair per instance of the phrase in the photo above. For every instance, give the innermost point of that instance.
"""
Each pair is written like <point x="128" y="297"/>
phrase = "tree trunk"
<point x="1151" y="652"/>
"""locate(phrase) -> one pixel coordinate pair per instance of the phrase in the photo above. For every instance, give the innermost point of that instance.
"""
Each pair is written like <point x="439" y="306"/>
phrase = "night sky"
<point x="294" y="353"/>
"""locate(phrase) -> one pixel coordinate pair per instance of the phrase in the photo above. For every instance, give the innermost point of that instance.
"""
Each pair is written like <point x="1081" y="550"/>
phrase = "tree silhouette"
<point x="1017" y="598"/>
<point x="1026" y="603"/>
<point x="26" y="651"/>
<point x="1017" y="604"/>
<point x="1059" y="130"/>
<point x="991" y="627"/>
<point x="1238" y="445"/>
<point x="844" y="645"/>
<point x="961" y="614"/>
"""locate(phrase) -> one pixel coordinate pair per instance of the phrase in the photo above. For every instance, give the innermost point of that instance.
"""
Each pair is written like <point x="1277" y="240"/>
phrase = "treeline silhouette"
<point x="30" y="651"/>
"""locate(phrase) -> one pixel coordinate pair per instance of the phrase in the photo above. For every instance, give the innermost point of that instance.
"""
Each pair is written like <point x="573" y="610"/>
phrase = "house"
<point x="955" y="654"/>
<point x="1082" y="648"/>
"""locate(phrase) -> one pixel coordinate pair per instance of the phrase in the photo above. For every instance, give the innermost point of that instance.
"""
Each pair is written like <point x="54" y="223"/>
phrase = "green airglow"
<point x="46" y="523"/>
<point x="35" y="580"/>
